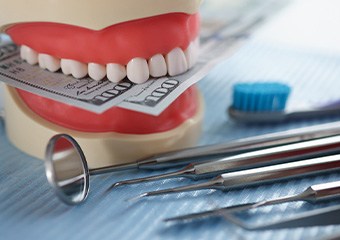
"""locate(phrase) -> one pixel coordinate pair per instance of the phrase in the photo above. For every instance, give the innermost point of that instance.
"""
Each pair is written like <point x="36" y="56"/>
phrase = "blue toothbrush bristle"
<point x="260" y="96"/>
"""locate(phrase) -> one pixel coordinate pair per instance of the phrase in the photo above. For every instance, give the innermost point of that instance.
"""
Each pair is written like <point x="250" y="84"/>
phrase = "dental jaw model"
<point x="111" y="40"/>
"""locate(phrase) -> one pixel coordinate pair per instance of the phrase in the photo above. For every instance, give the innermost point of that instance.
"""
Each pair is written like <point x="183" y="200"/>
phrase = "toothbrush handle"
<point x="313" y="113"/>
<point x="281" y="116"/>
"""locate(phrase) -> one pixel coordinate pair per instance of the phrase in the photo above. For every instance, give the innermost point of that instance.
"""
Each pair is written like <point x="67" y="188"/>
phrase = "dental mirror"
<point x="66" y="169"/>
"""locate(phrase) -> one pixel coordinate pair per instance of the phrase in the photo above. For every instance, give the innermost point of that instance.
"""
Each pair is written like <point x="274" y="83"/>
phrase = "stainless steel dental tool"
<point x="68" y="173"/>
<point x="199" y="154"/>
<point x="314" y="193"/>
<point x="257" y="176"/>
<point x="269" y="156"/>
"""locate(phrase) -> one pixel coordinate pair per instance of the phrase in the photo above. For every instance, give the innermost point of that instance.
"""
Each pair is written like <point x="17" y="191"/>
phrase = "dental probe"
<point x="258" y="176"/>
<point x="199" y="154"/>
<point x="314" y="193"/>
<point x="269" y="156"/>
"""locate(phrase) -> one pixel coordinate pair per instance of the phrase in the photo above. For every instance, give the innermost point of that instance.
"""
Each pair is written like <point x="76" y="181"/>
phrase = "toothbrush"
<point x="264" y="102"/>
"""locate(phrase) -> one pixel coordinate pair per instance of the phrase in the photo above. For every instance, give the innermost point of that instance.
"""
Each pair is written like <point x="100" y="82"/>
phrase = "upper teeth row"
<point x="138" y="70"/>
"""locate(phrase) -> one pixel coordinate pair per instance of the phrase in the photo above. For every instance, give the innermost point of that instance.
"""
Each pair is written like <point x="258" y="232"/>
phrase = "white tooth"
<point x="41" y="61"/>
<point x="176" y="62"/>
<point x="115" y="72"/>
<point x="97" y="71"/>
<point x="157" y="66"/>
<point x="77" y="69"/>
<point x="49" y="62"/>
<point x="23" y="52"/>
<point x="191" y="54"/>
<point x="138" y="70"/>
<point x="29" y="55"/>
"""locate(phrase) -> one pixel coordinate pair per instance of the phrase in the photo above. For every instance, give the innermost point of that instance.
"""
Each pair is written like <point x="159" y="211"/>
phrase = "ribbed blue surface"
<point x="260" y="96"/>
<point x="29" y="209"/>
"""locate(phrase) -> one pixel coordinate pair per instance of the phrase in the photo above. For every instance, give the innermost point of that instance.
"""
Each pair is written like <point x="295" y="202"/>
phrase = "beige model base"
<point x="30" y="133"/>
<point x="107" y="12"/>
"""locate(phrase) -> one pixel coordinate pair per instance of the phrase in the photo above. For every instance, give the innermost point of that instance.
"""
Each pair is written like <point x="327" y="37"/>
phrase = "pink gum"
<point x="115" y="44"/>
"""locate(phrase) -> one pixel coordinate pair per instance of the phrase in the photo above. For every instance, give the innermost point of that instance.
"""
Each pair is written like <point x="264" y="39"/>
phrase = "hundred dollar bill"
<point x="95" y="96"/>
<point x="226" y="25"/>
<point x="220" y="37"/>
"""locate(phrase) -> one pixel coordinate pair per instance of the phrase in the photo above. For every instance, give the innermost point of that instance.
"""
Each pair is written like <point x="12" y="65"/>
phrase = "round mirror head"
<point x="66" y="169"/>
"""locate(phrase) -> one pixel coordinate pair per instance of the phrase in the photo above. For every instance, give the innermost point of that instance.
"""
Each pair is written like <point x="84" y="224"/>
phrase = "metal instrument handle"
<point x="326" y="190"/>
<point x="280" y="171"/>
<point x="199" y="154"/>
<point x="290" y="152"/>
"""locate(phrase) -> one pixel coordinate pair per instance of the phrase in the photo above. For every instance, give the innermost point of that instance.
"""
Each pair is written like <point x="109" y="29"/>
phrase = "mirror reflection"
<point x="69" y="172"/>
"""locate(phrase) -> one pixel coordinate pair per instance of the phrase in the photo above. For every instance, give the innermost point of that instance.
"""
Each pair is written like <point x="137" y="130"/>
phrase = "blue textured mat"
<point x="29" y="209"/>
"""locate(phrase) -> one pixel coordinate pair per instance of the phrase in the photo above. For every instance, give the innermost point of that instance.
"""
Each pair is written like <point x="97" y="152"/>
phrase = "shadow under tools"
<point x="278" y="209"/>
<point x="316" y="217"/>
<point x="169" y="198"/>
<point x="108" y="194"/>
<point x="113" y="176"/>
<point x="190" y="225"/>
<point x="126" y="211"/>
